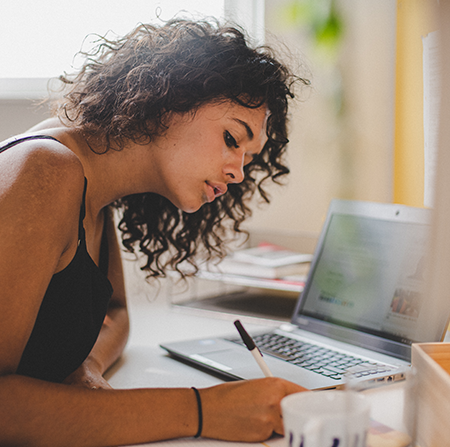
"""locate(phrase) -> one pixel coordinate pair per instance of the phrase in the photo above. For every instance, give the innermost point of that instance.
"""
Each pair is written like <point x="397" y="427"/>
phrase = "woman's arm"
<point x="40" y="198"/>
<point x="114" y="333"/>
<point x="38" y="413"/>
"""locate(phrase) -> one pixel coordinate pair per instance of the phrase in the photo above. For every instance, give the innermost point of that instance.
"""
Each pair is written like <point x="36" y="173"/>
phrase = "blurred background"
<point x="352" y="133"/>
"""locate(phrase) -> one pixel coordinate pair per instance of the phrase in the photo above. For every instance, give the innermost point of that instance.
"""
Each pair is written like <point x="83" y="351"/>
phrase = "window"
<point x="40" y="38"/>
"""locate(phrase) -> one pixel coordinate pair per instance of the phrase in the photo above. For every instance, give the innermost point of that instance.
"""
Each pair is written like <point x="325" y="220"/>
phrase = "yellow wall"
<point x="415" y="19"/>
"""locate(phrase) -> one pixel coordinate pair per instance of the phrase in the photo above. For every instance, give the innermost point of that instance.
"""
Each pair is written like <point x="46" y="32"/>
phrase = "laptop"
<point x="362" y="307"/>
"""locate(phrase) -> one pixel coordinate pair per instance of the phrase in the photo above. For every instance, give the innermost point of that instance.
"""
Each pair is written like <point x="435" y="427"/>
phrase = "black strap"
<point x="81" y="234"/>
<point x="31" y="137"/>
<point x="103" y="263"/>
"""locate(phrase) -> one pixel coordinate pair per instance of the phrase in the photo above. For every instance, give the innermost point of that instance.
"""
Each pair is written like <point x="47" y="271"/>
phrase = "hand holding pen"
<point x="248" y="341"/>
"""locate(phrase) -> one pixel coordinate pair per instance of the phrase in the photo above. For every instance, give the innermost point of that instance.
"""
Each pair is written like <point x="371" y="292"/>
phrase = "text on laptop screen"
<point x="369" y="276"/>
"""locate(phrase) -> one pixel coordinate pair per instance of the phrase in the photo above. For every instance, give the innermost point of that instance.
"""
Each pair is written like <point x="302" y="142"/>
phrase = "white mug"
<point x="326" y="419"/>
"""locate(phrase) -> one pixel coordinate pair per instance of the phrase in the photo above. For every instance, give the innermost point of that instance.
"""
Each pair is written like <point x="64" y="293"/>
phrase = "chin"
<point x="189" y="207"/>
<point x="192" y="206"/>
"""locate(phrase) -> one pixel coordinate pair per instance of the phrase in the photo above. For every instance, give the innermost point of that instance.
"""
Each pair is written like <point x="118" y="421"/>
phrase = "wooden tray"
<point x="432" y="364"/>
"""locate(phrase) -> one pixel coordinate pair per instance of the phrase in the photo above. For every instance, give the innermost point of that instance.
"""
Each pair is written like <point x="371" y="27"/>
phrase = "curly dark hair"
<point x="126" y="90"/>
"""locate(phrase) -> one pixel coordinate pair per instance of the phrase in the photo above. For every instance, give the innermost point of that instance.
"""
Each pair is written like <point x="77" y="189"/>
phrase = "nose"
<point x="235" y="169"/>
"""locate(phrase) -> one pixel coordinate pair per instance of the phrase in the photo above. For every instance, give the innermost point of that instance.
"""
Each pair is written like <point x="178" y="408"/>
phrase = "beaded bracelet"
<point x="200" y="413"/>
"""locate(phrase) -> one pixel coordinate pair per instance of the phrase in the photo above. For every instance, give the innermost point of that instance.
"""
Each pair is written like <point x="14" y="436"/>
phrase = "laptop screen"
<point x="368" y="274"/>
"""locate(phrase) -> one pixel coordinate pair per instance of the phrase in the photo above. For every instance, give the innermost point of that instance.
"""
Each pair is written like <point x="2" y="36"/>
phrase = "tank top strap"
<point x="103" y="264"/>
<point x="81" y="234"/>
<point x="22" y="139"/>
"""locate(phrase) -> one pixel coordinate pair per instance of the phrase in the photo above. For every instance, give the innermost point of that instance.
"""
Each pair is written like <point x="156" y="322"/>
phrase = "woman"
<point x="176" y="126"/>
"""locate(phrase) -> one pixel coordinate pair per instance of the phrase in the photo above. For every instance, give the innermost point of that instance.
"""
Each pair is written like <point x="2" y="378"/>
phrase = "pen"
<point x="253" y="348"/>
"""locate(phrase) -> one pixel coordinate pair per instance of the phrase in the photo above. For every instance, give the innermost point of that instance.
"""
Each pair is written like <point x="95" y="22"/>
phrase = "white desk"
<point x="144" y="364"/>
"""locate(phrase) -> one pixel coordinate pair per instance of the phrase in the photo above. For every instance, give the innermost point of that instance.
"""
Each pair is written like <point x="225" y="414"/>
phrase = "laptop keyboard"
<point x="327" y="362"/>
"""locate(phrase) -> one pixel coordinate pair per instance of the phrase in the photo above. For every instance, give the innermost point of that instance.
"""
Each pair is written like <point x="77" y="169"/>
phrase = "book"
<point x="233" y="267"/>
<point x="265" y="261"/>
<point x="270" y="255"/>
<point x="288" y="284"/>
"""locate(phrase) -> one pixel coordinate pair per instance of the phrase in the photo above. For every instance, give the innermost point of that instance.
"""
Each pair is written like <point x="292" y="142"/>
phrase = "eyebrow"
<point x="247" y="128"/>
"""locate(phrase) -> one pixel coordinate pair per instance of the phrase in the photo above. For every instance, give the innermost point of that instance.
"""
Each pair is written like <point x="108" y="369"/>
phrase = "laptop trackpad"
<point x="225" y="360"/>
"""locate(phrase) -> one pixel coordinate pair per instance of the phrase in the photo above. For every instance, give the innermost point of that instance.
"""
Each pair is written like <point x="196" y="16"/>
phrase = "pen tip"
<point x="244" y="335"/>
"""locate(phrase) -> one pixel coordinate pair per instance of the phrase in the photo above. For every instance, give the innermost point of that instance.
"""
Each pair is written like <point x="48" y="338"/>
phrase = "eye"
<point x="229" y="140"/>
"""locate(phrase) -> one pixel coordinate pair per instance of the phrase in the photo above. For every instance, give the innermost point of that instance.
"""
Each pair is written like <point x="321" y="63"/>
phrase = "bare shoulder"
<point x="42" y="162"/>
<point x="41" y="190"/>
<point x="40" y="180"/>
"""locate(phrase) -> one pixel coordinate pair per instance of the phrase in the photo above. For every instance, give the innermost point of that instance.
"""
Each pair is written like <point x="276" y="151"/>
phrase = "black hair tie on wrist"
<point x="200" y="413"/>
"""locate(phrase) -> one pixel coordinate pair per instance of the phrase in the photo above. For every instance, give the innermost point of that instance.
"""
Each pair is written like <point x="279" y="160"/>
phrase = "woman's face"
<point x="201" y="154"/>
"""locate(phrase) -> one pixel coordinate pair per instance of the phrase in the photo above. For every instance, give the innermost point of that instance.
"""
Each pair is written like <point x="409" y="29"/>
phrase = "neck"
<point x="113" y="174"/>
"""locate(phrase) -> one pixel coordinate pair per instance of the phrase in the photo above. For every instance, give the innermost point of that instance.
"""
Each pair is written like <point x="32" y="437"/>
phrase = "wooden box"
<point x="432" y="364"/>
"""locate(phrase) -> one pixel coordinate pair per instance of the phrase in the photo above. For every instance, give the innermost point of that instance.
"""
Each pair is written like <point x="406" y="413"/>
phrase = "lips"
<point x="215" y="190"/>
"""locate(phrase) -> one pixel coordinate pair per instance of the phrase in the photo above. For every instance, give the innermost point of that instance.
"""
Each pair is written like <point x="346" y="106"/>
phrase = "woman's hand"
<point x="88" y="376"/>
<point x="245" y="410"/>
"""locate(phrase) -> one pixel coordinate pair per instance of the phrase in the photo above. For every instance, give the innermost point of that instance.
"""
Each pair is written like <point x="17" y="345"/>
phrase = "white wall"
<point x="17" y="116"/>
<point x="349" y="156"/>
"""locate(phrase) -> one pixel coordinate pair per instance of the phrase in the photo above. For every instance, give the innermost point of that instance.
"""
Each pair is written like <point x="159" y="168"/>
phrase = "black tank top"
<point x="72" y="311"/>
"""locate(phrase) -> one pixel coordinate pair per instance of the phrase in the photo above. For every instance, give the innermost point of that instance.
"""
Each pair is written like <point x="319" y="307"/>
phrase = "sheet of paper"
<point x="431" y="100"/>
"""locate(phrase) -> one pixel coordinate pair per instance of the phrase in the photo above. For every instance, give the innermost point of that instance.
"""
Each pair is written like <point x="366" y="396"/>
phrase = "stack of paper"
<point x="266" y="261"/>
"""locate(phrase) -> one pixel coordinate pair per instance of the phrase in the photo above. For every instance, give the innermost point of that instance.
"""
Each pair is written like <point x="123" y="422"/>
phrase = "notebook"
<point x="363" y="300"/>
